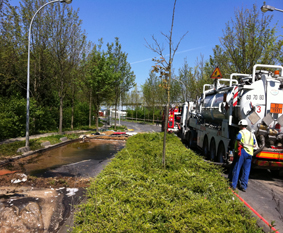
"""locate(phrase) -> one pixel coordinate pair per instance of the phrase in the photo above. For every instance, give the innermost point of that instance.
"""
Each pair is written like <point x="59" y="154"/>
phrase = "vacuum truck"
<point x="211" y="122"/>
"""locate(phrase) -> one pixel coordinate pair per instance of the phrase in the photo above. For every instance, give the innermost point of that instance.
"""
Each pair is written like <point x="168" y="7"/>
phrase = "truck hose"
<point x="262" y="139"/>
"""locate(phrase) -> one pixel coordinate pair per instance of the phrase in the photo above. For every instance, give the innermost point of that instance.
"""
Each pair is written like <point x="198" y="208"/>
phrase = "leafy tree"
<point x="12" y="52"/>
<point x="56" y="51"/>
<point x="100" y="77"/>
<point x="65" y="50"/>
<point x="153" y="92"/>
<point x="124" y="77"/>
<point x="248" y="39"/>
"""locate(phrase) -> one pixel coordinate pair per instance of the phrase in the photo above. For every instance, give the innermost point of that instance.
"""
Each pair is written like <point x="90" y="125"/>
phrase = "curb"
<point x="6" y="161"/>
<point x="41" y="135"/>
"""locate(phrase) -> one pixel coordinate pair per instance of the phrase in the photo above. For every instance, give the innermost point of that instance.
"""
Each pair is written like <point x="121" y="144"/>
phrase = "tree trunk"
<point x="166" y="119"/>
<point x="96" y="107"/>
<point x="61" y="96"/>
<point x="165" y="131"/>
<point x="153" y="114"/>
<point x="97" y="117"/>
<point x="89" y="114"/>
<point x="72" y="117"/>
<point x="116" y="105"/>
<point x="61" y="115"/>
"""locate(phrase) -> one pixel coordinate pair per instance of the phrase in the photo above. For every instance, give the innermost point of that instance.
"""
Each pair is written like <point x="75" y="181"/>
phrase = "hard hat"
<point x="243" y="122"/>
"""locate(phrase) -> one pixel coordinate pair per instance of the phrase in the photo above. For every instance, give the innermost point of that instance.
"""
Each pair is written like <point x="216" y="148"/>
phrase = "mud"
<point x="41" y="164"/>
<point x="27" y="209"/>
<point x="38" y="193"/>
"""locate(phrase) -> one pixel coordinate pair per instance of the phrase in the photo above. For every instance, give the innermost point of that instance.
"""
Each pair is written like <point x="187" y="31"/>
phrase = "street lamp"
<point x="28" y="68"/>
<point x="266" y="8"/>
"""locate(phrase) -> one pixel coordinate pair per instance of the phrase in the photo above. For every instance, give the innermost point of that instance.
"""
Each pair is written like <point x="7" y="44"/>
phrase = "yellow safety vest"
<point x="247" y="141"/>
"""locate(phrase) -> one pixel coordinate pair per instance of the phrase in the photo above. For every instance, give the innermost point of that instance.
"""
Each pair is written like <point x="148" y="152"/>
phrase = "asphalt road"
<point x="141" y="127"/>
<point x="264" y="194"/>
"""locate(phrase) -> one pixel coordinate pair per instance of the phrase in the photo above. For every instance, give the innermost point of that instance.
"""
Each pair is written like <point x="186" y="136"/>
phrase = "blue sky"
<point x="135" y="21"/>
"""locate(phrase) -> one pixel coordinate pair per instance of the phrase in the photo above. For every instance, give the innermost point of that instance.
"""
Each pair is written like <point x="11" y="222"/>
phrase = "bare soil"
<point x="41" y="182"/>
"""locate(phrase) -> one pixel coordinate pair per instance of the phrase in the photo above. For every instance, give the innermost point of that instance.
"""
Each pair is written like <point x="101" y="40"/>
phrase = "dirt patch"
<point x="37" y="204"/>
<point x="41" y="182"/>
<point x="43" y="204"/>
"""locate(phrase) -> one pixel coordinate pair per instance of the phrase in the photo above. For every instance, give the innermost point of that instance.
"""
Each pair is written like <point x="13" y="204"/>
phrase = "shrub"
<point x="135" y="194"/>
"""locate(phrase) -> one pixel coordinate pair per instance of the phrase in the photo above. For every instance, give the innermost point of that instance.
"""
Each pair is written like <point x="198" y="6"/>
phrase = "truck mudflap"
<point x="269" y="158"/>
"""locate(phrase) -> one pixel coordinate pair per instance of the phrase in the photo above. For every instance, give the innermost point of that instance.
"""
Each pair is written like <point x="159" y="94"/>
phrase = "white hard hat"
<point x="243" y="122"/>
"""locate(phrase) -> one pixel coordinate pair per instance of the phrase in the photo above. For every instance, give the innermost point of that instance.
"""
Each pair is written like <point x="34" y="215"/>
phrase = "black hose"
<point x="262" y="139"/>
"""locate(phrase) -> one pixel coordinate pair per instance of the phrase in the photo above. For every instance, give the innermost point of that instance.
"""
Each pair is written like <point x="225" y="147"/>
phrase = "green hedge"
<point x="135" y="194"/>
<point x="141" y="113"/>
<point x="42" y="118"/>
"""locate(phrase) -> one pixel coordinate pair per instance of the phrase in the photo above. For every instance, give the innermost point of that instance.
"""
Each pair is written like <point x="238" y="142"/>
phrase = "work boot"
<point x="241" y="188"/>
<point x="233" y="188"/>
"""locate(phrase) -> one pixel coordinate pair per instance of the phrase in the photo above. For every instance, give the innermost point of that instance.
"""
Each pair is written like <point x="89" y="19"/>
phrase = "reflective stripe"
<point x="247" y="141"/>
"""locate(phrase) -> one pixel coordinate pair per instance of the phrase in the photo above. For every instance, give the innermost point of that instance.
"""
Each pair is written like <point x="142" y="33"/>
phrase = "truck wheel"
<point x="212" y="150"/>
<point x="205" y="150"/>
<point x="191" y="140"/>
<point x="221" y="153"/>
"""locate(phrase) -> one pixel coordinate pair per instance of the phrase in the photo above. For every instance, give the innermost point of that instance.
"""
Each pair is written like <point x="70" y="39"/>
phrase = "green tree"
<point x="248" y="39"/>
<point x="124" y="76"/>
<point x="101" y="77"/>
<point x="151" y="91"/>
<point x="66" y="43"/>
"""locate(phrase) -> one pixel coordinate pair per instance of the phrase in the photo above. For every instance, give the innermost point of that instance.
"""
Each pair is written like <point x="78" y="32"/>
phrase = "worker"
<point x="245" y="142"/>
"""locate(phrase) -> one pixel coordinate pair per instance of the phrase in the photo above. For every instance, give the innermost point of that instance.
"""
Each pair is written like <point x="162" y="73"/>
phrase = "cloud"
<point x="184" y="51"/>
<point x="148" y="59"/>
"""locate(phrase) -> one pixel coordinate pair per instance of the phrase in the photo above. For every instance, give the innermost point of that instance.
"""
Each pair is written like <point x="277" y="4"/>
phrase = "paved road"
<point x="141" y="127"/>
<point x="264" y="194"/>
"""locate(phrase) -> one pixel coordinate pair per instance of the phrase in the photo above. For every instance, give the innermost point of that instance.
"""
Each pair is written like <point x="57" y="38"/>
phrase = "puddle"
<point x="44" y="164"/>
<point x="27" y="208"/>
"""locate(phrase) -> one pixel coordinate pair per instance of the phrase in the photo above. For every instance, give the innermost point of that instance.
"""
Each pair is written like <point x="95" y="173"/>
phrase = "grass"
<point x="135" y="194"/>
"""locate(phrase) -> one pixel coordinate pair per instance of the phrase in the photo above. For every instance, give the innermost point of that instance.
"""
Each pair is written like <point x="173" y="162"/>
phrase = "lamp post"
<point x="28" y="66"/>
<point x="266" y="8"/>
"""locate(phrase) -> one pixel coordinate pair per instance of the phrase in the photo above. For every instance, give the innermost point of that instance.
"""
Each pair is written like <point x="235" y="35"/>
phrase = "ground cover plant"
<point x="135" y="194"/>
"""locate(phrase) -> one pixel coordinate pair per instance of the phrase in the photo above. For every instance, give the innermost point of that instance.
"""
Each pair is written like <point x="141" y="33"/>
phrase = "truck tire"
<point x="212" y="150"/>
<point x="191" y="140"/>
<point x="205" y="150"/>
<point x="221" y="153"/>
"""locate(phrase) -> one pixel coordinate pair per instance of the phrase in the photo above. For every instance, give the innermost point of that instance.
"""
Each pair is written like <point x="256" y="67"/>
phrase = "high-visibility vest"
<point x="247" y="141"/>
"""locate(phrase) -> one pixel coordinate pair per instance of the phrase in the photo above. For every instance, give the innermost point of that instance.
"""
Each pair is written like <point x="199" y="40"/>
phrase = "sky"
<point x="135" y="21"/>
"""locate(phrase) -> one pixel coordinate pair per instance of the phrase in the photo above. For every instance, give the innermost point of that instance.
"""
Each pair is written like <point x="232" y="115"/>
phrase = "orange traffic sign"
<point x="216" y="74"/>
